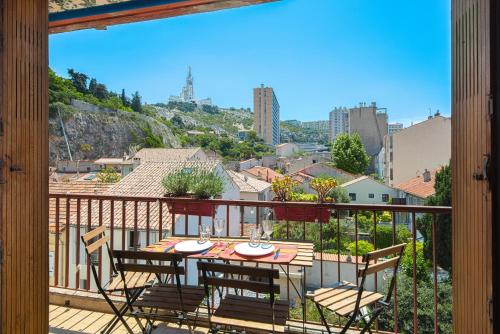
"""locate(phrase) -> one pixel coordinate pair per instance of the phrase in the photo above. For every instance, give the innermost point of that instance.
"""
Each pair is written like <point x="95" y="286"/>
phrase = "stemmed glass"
<point x="219" y="225"/>
<point x="267" y="227"/>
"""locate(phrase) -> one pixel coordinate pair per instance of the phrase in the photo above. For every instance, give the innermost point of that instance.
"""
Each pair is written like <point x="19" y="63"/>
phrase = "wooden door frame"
<point x="495" y="157"/>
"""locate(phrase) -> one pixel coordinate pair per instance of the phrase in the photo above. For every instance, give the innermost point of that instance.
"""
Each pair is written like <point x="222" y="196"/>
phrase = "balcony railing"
<point x="135" y="222"/>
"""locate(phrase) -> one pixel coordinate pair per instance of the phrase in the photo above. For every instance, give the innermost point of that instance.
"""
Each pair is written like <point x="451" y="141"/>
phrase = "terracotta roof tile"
<point x="263" y="173"/>
<point x="418" y="187"/>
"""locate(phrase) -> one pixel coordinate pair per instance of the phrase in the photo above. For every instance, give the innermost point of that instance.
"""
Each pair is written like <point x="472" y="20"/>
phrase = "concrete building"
<point x="366" y="120"/>
<point x="252" y="189"/>
<point x="394" y="127"/>
<point x="409" y="152"/>
<point x="266" y="110"/>
<point x="365" y="190"/>
<point x="371" y="125"/>
<point x="339" y="122"/>
<point x="121" y="165"/>
<point x="286" y="150"/>
<point x="76" y="166"/>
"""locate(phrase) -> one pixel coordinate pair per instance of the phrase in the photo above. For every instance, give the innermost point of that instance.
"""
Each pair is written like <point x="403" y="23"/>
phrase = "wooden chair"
<point x="243" y="312"/>
<point x="94" y="241"/>
<point x="350" y="301"/>
<point x="164" y="301"/>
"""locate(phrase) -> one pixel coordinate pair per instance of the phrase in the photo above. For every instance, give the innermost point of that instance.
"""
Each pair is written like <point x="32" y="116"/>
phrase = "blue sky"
<point x="316" y="54"/>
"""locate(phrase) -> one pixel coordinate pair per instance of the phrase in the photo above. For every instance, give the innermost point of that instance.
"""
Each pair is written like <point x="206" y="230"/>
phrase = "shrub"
<point x="422" y="264"/>
<point x="178" y="183"/>
<point x="283" y="188"/>
<point x="384" y="235"/>
<point x="108" y="175"/>
<point x="207" y="185"/>
<point x="323" y="186"/>
<point x="364" y="247"/>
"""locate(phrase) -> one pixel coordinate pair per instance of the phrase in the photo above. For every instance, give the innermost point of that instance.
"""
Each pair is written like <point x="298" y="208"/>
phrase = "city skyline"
<point x="341" y="55"/>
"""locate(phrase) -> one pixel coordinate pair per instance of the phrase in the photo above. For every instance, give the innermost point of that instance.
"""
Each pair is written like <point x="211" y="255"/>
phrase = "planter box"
<point x="194" y="209"/>
<point x="302" y="214"/>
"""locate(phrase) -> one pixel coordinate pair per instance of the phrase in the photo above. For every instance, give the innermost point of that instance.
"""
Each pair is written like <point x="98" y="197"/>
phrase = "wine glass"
<point x="267" y="226"/>
<point x="219" y="225"/>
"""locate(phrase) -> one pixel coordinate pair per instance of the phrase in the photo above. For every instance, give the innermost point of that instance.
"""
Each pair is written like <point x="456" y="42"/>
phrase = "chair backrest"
<point x="148" y="266"/>
<point x="260" y="280"/>
<point x="94" y="241"/>
<point x="382" y="259"/>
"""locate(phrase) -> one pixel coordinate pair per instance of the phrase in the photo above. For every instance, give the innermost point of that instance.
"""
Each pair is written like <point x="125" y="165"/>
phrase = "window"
<point x="352" y="196"/>
<point x="385" y="198"/>
<point x="371" y="195"/>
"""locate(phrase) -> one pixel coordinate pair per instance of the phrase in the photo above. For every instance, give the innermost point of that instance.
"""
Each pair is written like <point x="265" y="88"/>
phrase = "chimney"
<point x="427" y="175"/>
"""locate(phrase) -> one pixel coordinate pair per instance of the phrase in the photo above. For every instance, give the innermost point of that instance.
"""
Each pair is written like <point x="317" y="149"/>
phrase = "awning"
<point x="67" y="15"/>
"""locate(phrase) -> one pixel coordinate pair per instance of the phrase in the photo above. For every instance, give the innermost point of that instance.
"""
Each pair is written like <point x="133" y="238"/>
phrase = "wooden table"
<point x="304" y="259"/>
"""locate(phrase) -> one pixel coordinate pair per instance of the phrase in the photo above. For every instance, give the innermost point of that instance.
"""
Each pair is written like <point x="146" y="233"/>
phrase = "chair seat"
<point x="251" y="313"/>
<point x="166" y="297"/>
<point x="134" y="280"/>
<point x="341" y="299"/>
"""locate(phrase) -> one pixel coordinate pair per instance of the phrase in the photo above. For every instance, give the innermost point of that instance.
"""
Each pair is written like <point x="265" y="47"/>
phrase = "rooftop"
<point x="146" y="179"/>
<point x="248" y="184"/>
<point x="113" y="161"/>
<point x="166" y="154"/>
<point x="263" y="173"/>
<point x="418" y="186"/>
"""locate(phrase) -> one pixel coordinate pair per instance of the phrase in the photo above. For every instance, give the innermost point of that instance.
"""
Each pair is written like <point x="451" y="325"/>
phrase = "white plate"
<point x="246" y="249"/>
<point x="192" y="246"/>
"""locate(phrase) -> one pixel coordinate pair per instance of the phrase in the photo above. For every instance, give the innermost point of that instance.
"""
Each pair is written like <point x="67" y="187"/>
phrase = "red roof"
<point x="263" y="173"/>
<point x="418" y="187"/>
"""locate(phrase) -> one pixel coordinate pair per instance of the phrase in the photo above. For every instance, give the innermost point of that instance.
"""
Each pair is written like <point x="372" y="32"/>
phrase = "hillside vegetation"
<point x="101" y="123"/>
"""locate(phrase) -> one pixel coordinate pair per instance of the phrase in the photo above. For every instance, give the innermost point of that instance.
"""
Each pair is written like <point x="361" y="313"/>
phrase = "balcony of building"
<point x="134" y="223"/>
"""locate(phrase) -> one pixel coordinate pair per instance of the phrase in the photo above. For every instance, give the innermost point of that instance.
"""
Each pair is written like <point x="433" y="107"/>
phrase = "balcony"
<point x="135" y="222"/>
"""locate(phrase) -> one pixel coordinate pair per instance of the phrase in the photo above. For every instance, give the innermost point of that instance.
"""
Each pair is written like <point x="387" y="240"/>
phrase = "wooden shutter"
<point x="24" y="167"/>
<point x="471" y="151"/>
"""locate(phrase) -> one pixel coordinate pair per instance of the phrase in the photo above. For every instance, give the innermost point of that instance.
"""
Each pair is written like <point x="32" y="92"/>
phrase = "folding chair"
<point x="354" y="302"/>
<point x="242" y="313"/>
<point x="136" y="282"/>
<point x="164" y="301"/>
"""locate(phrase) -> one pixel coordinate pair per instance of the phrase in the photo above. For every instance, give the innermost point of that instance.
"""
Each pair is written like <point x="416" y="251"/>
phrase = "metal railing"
<point x="134" y="222"/>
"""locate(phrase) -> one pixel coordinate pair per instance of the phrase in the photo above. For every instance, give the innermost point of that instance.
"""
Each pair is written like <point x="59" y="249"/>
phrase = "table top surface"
<point x="304" y="257"/>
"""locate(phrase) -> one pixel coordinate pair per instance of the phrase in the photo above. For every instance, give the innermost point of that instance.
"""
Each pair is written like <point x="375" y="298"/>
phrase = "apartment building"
<point x="266" y="115"/>
<point x="364" y="119"/>
<point x="395" y="127"/>
<point x="422" y="146"/>
<point x="339" y="122"/>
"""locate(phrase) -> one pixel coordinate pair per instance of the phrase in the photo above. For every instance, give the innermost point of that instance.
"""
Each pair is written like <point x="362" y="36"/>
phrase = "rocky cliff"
<point x="93" y="132"/>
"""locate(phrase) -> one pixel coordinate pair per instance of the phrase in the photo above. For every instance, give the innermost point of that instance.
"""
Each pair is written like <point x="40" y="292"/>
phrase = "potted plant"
<point x="193" y="184"/>
<point x="283" y="188"/>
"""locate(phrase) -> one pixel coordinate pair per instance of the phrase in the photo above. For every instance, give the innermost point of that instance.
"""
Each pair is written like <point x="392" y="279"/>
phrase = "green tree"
<point x="348" y="153"/>
<point x="442" y="197"/>
<point x="425" y="307"/>
<point x="124" y="98"/>
<point x="86" y="149"/>
<point x="101" y="92"/>
<point x="136" y="103"/>
<point x="79" y="80"/>
<point x="108" y="175"/>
